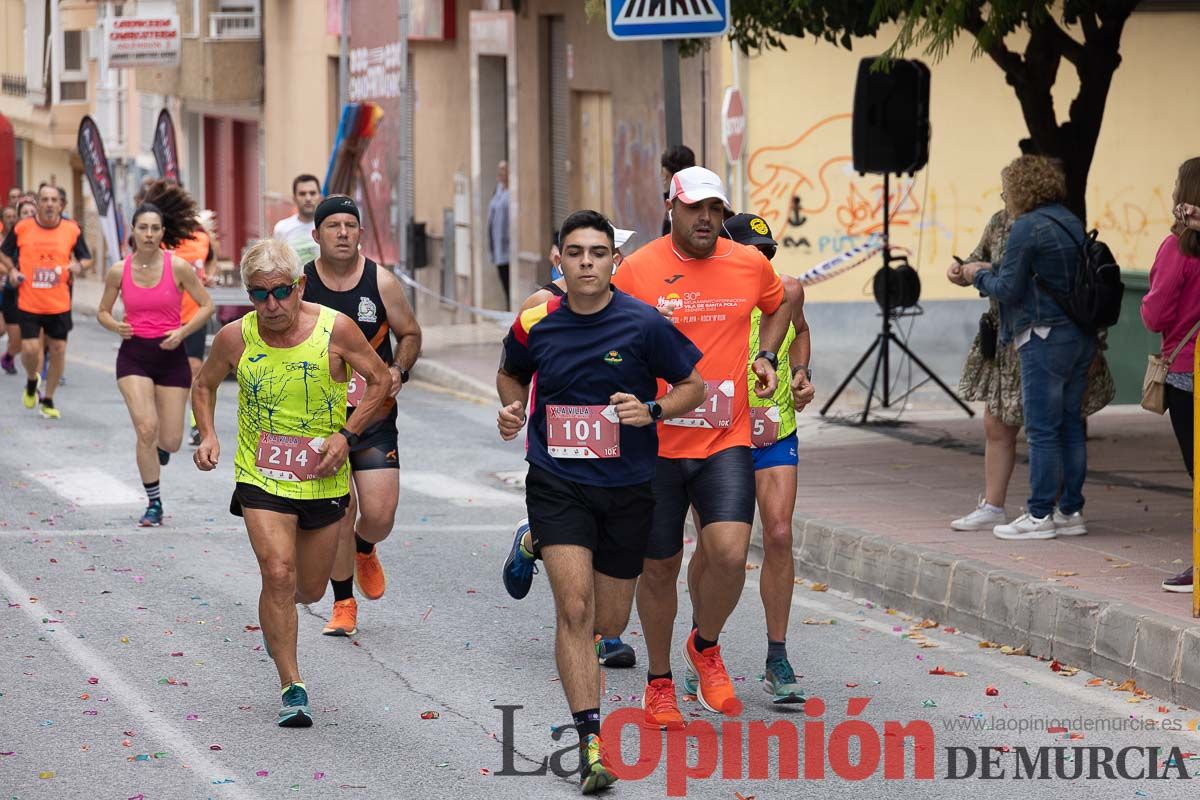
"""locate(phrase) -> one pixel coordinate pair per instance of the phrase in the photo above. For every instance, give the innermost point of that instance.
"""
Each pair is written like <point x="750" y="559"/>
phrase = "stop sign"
<point x="733" y="124"/>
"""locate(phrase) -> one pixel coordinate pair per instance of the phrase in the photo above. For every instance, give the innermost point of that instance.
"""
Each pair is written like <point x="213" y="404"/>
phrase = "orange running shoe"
<point x="344" y="619"/>
<point x="368" y="575"/>
<point x="662" y="710"/>
<point x="715" y="691"/>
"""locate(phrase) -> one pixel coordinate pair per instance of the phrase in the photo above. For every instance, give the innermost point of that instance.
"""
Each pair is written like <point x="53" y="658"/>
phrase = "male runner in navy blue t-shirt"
<point x="593" y="448"/>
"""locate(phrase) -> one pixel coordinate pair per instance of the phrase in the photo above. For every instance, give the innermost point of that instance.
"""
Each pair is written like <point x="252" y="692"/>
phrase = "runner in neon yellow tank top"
<point x="292" y="361"/>
<point x="773" y="439"/>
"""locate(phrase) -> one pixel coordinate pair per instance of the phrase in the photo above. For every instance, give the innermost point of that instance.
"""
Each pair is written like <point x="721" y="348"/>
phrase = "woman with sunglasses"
<point x="152" y="368"/>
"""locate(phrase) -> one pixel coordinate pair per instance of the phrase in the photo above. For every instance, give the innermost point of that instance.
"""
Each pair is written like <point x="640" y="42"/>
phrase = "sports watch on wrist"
<point x="351" y="438"/>
<point x="655" y="409"/>
<point x="403" y="374"/>
<point x="769" y="356"/>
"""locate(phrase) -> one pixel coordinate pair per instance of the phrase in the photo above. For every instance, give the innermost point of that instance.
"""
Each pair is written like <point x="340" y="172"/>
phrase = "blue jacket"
<point x="1035" y="245"/>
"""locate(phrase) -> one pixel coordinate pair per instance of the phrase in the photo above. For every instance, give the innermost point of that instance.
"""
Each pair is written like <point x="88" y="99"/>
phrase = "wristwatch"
<point x="769" y="356"/>
<point x="351" y="438"/>
<point x="655" y="410"/>
<point x="403" y="374"/>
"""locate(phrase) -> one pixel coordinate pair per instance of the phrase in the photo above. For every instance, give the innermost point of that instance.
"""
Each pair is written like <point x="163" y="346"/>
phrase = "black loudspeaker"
<point x="891" y="117"/>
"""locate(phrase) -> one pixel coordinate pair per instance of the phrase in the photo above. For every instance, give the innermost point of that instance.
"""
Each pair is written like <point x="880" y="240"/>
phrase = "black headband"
<point x="338" y="204"/>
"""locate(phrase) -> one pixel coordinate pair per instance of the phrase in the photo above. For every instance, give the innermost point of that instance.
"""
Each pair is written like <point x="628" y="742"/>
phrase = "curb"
<point x="441" y="374"/>
<point x="1113" y="640"/>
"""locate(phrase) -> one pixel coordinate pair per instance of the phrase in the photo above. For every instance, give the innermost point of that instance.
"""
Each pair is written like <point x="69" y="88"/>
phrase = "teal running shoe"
<point x="779" y="681"/>
<point x="295" y="712"/>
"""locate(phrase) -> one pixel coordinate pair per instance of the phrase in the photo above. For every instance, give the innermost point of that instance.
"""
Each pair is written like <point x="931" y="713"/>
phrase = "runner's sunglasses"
<point x="278" y="292"/>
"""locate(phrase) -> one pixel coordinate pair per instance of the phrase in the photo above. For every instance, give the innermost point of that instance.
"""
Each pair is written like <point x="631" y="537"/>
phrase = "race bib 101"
<point x="583" y="432"/>
<point x="764" y="426"/>
<point x="288" y="458"/>
<point x="715" y="412"/>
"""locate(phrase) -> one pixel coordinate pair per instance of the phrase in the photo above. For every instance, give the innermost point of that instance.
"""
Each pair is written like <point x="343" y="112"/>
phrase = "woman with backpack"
<point x="1172" y="308"/>
<point x="1042" y="255"/>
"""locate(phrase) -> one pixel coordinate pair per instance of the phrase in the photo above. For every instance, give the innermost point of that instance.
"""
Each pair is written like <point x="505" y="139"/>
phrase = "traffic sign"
<point x="733" y="124"/>
<point x="666" y="19"/>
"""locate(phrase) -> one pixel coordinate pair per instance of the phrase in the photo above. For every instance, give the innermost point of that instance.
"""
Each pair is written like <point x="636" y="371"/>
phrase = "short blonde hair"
<point x="270" y="255"/>
<point x="1033" y="181"/>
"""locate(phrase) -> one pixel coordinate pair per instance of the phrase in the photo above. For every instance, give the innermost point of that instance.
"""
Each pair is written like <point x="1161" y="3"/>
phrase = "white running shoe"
<point x="1027" y="526"/>
<point x="981" y="519"/>
<point x="1069" y="524"/>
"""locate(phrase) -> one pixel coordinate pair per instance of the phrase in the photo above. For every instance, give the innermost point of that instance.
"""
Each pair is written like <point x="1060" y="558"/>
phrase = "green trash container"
<point x="1129" y="342"/>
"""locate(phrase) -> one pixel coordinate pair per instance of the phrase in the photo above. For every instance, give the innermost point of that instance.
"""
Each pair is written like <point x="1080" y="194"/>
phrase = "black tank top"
<point x="553" y="289"/>
<point x="363" y="305"/>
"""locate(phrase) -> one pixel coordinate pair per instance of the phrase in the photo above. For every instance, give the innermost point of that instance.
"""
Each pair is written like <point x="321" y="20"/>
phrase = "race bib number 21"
<point x="715" y="412"/>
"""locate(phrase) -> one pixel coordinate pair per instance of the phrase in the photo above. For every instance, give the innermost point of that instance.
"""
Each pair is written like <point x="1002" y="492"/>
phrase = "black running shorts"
<point x="56" y="326"/>
<point x="612" y="522"/>
<point x="721" y="487"/>
<point x="377" y="449"/>
<point x="311" y="514"/>
<point x="194" y="345"/>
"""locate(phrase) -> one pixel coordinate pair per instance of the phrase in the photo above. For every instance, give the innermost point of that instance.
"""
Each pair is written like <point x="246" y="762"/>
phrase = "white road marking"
<point x="456" y="490"/>
<point x="88" y="486"/>
<point x="204" y="769"/>
<point x="115" y="533"/>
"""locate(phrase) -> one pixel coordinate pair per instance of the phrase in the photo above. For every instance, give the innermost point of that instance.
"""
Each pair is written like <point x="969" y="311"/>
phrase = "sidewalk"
<point x="872" y="519"/>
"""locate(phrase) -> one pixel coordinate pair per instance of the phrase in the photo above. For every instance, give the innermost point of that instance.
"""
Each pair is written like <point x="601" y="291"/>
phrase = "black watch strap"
<point x="404" y="375"/>
<point x="351" y="438"/>
<point x="769" y="356"/>
<point x="656" y="411"/>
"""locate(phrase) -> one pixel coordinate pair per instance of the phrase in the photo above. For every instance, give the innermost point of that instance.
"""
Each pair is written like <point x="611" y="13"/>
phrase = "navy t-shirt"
<point x="582" y="360"/>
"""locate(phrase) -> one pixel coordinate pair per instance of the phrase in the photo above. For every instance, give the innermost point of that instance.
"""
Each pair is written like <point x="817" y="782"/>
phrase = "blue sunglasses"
<point x="278" y="292"/>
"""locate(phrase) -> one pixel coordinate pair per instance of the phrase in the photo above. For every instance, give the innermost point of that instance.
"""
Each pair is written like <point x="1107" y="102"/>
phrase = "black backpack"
<point x="1093" y="301"/>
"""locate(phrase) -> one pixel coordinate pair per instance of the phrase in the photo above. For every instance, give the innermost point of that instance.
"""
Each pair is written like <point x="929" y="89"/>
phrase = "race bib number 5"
<point x="583" y="432"/>
<point x="715" y="412"/>
<point x="288" y="458"/>
<point x="764" y="426"/>
<point x="355" y="389"/>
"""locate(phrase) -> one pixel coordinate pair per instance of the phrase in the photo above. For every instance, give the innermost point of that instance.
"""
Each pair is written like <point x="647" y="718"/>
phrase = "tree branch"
<point x="1008" y="61"/>
<point x="1070" y="49"/>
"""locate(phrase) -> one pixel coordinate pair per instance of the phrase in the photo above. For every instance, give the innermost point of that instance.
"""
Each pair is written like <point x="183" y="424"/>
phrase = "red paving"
<point x="1138" y="511"/>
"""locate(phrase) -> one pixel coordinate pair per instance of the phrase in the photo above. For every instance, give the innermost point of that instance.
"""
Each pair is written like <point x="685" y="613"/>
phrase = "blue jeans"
<point x="1053" y="379"/>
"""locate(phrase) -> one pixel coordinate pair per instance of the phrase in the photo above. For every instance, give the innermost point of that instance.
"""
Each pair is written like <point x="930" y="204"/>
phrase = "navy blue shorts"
<point x="721" y="487"/>
<point x="783" y="453"/>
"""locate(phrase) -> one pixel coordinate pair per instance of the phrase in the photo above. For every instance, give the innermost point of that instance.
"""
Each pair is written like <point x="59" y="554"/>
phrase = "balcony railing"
<point x="13" y="85"/>
<point x="231" y="25"/>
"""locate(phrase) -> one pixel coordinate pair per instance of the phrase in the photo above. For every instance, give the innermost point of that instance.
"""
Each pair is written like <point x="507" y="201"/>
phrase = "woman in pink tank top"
<point x="152" y="368"/>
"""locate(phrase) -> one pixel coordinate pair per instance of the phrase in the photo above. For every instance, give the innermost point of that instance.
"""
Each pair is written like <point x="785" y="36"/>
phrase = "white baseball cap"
<point x="695" y="184"/>
<point x="621" y="236"/>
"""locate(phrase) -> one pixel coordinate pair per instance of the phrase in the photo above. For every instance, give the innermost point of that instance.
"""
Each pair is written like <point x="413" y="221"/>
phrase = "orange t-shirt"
<point x="43" y="256"/>
<point x="713" y="299"/>
<point x="195" y="252"/>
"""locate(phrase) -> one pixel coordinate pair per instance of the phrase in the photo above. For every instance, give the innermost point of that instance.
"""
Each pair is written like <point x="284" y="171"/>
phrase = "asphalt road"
<point x="129" y="667"/>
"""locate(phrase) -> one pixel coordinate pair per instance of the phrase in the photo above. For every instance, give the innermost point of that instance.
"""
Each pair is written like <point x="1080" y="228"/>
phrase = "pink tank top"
<point x="153" y="312"/>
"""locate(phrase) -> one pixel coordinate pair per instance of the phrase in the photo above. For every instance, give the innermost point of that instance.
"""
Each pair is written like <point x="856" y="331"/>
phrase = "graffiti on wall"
<point x="637" y="189"/>
<point x="818" y="206"/>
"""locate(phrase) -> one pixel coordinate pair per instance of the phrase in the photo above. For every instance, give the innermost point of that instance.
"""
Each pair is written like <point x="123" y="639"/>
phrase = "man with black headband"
<point x="343" y="279"/>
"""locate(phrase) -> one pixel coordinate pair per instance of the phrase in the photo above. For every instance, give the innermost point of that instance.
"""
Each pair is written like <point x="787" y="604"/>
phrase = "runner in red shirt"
<point x="709" y="286"/>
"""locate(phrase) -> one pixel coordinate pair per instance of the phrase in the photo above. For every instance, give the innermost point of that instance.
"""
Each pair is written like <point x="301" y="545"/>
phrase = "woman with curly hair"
<point x="152" y="369"/>
<point x="1042" y="250"/>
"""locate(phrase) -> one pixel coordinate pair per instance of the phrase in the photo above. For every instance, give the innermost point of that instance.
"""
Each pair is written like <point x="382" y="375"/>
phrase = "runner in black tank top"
<point x="371" y="296"/>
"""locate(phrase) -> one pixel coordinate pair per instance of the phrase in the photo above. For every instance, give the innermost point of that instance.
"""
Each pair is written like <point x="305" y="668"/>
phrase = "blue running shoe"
<point x="153" y="517"/>
<point x="519" y="568"/>
<point x="779" y="681"/>
<point x="691" y="681"/>
<point x="614" y="653"/>
<point x="295" y="712"/>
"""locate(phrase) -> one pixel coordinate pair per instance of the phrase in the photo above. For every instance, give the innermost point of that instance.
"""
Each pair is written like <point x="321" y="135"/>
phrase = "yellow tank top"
<point x="288" y="392"/>
<point x="782" y="399"/>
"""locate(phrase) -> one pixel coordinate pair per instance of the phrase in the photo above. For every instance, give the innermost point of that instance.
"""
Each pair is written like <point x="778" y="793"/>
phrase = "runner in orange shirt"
<point x="36" y="256"/>
<point x="709" y="286"/>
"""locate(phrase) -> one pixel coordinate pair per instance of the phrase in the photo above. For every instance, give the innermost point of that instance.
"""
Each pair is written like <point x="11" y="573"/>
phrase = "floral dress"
<point x="997" y="383"/>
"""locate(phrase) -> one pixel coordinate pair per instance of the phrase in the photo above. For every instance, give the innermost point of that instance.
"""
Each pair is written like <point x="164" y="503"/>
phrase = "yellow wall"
<point x="799" y="122"/>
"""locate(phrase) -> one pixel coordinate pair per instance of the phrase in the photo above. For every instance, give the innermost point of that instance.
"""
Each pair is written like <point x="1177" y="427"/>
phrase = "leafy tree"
<point x="1051" y="30"/>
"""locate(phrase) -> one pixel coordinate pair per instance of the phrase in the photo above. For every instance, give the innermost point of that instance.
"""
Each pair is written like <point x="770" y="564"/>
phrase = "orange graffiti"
<point x="775" y="177"/>
<point x="862" y="214"/>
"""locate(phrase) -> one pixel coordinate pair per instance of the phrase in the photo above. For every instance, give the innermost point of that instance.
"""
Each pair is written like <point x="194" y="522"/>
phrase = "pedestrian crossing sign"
<point x="666" y="19"/>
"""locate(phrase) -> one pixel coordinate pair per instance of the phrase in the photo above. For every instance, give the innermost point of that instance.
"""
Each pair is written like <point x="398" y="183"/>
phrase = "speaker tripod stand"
<point x="885" y="340"/>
